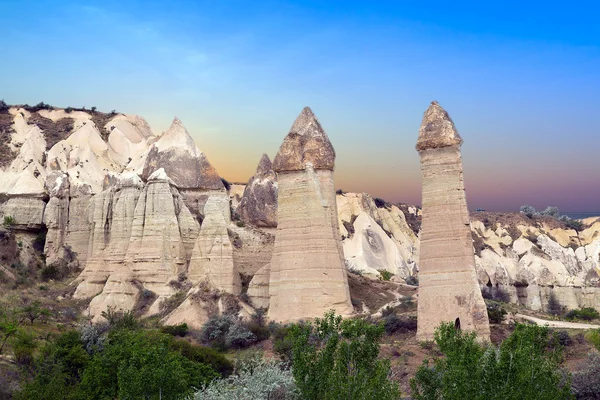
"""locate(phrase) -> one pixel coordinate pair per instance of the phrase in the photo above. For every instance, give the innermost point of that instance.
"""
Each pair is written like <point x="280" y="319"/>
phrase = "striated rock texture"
<point x="448" y="287"/>
<point x="307" y="276"/>
<point x="259" y="202"/>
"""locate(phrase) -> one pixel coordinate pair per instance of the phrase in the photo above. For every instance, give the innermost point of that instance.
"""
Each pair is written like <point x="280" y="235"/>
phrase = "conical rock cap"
<point x="437" y="129"/>
<point x="306" y="142"/>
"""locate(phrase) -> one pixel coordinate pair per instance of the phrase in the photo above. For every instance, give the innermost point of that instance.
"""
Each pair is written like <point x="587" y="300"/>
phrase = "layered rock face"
<point x="448" y="287"/>
<point x="307" y="273"/>
<point x="259" y="202"/>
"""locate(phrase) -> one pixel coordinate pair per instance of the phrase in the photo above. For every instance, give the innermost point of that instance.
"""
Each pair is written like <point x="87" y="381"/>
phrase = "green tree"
<point x="142" y="365"/>
<point x="9" y="325"/>
<point x="525" y="366"/>
<point x="337" y="359"/>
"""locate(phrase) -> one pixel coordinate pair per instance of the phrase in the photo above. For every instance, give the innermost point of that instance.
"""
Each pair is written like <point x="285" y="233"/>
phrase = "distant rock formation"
<point x="259" y="202"/>
<point x="307" y="273"/>
<point x="448" y="287"/>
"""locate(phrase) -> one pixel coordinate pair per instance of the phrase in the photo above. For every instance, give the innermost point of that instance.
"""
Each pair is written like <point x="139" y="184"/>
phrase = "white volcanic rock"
<point x="391" y="219"/>
<point x="308" y="276"/>
<point x="259" y="202"/>
<point x="212" y="256"/>
<point x="370" y="249"/>
<point x="258" y="289"/>
<point x="27" y="212"/>
<point x="448" y="286"/>
<point x="182" y="160"/>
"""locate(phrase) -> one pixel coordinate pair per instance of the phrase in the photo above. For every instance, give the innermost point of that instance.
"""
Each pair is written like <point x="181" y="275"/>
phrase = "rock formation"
<point x="259" y="202"/>
<point x="307" y="274"/>
<point x="448" y="287"/>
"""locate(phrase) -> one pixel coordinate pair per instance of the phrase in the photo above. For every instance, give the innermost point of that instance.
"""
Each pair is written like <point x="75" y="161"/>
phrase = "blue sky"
<point x="520" y="79"/>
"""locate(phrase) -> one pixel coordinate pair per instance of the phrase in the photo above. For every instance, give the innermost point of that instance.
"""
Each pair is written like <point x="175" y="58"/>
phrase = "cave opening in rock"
<point x="457" y="324"/>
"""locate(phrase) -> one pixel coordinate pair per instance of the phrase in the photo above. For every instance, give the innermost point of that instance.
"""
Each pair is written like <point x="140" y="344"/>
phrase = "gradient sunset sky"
<point x="521" y="80"/>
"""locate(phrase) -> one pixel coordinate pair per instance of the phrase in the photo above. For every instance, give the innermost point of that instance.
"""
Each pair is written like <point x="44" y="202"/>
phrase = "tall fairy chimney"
<point x="448" y="287"/>
<point x="308" y="274"/>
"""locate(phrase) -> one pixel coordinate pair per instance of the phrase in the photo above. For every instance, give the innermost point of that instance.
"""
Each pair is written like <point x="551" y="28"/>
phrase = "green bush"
<point x="525" y="366"/>
<point x="585" y="314"/>
<point x="282" y="341"/>
<point x="175" y="330"/>
<point x="8" y="221"/>
<point x="385" y="275"/>
<point x="593" y="337"/>
<point x="203" y="355"/>
<point x="23" y="347"/>
<point x="496" y="313"/>
<point x="335" y="359"/>
<point x="142" y="365"/>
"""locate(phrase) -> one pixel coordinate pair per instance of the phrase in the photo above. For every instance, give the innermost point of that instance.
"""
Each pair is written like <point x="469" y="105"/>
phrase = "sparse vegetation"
<point x="385" y="274"/>
<point x="8" y="221"/>
<point x="552" y="212"/>
<point x="496" y="313"/>
<point x="586" y="381"/>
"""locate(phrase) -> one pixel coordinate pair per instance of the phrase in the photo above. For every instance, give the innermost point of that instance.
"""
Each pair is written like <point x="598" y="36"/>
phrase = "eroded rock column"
<point x="448" y="287"/>
<point x="308" y="276"/>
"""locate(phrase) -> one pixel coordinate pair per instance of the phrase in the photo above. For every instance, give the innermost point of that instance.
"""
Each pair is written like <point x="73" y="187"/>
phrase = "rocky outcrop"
<point x="259" y="202"/>
<point x="368" y="240"/>
<point x="212" y="257"/>
<point x="307" y="276"/>
<point x="182" y="160"/>
<point x="448" y="287"/>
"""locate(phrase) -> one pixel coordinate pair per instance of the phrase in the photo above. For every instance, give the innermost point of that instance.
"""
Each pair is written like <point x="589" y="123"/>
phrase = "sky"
<point x="520" y="79"/>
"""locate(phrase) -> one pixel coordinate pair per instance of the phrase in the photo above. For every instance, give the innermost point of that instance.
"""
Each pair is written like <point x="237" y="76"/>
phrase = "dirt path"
<point x="558" y="324"/>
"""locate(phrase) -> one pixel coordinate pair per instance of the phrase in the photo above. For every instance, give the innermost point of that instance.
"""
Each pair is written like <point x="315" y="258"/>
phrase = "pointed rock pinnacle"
<point x="437" y="129"/>
<point x="264" y="165"/>
<point x="306" y="142"/>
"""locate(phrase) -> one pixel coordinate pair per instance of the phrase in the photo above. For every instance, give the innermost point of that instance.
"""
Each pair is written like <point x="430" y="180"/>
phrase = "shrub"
<point x="393" y="323"/>
<point x="204" y="355"/>
<point x="240" y="224"/>
<point x="8" y="221"/>
<point x="239" y="336"/>
<point x="554" y="306"/>
<point x="339" y="359"/>
<point x="564" y="338"/>
<point x="339" y="191"/>
<point x="585" y="314"/>
<point x="50" y="272"/>
<point x="172" y="302"/>
<point x="23" y="347"/>
<point x="412" y="280"/>
<point x="255" y="379"/>
<point x="3" y="106"/>
<point x="142" y="365"/>
<point x="551" y="212"/>
<point x="501" y="295"/>
<point x="93" y="337"/>
<point x="586" y="381"/>
<point x="120" y="319"/>
<point x="496" y="313"/>
<point x="282" y="341"/>
<point x="529" y="211"/>
<point x="593" y="337"/>
<point x="385" y="275"/>
<point x="258" y="325"/>
<point x="524" y="366"/>
<point x="175" y="330"/>
<point x="216" y="328"/>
